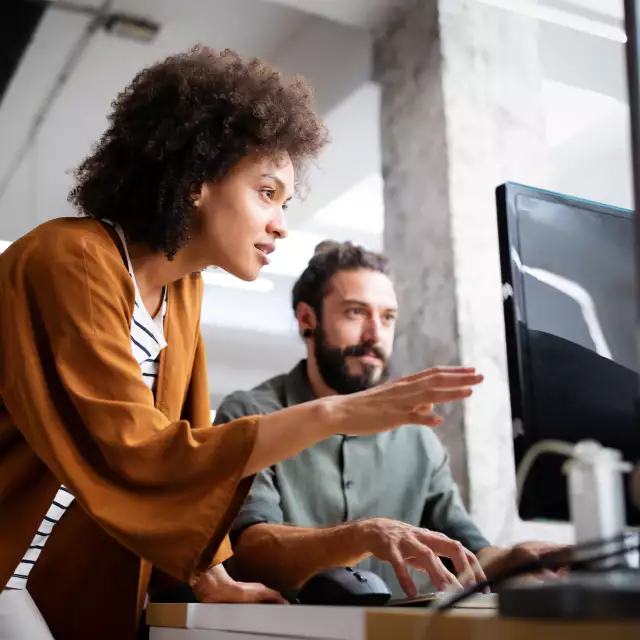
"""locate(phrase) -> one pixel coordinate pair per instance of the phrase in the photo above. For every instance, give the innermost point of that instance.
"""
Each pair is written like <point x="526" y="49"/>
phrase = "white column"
<point x="461" y="113"/>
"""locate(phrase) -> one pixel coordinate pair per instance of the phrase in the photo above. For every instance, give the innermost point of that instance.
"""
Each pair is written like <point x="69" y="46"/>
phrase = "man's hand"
<point x="218" y="586"/>
<point x="496" y="560"/>
<point x="401" y="544"/>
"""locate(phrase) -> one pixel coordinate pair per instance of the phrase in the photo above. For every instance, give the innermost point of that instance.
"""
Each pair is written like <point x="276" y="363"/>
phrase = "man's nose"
<point x="371" y="332"/>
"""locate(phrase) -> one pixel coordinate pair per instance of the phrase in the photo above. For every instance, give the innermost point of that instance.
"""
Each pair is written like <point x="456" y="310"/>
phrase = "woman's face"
<point x="241" y="216"/>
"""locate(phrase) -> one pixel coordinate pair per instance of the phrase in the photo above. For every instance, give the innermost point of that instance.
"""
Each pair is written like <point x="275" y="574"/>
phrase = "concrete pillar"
<point x="461" y="113"/>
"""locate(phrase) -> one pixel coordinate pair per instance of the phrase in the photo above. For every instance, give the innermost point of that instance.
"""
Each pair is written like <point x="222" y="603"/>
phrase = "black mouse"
<point x="345" y="586"/>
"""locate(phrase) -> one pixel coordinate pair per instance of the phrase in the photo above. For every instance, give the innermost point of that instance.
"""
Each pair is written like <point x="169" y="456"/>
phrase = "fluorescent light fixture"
<point x="131" y="27"/>
<point x="560" y="17"/>
<point x="222" y="279"/>
<point x="4" y="244"/>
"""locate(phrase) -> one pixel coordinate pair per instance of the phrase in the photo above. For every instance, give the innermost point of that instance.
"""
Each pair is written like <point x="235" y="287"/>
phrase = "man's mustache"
<point x="364" y="349"/>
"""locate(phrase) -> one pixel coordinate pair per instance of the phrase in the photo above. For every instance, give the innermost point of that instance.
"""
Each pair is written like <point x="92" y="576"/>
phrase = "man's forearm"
<point x="497" y="560"/>
<point x="490" y="558"/>
<point x="286" y="557"/>
<point x="487" y="554"/>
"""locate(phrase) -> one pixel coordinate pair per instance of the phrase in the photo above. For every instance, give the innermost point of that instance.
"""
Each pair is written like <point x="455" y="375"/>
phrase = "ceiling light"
<point x="132" y="27"/>
<point x="222" y="279"/>
<point x="4" y="244"/>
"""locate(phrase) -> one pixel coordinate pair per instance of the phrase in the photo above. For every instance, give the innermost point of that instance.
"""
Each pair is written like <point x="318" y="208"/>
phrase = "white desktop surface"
<point x="251" y="620"/>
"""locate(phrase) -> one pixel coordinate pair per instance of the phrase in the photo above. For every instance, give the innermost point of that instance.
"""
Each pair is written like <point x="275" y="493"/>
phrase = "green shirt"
<point x="402" y="474"/>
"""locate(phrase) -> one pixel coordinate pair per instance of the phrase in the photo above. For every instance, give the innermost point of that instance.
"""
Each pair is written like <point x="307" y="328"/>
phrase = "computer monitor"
<point x="570" y="317"/>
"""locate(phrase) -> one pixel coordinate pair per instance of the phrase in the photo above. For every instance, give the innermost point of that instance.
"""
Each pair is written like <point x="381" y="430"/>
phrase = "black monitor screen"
<point x="568" y="274"/>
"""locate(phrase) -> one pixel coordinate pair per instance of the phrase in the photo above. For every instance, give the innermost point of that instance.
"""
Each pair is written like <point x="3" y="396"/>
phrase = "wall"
<point x="596" y="163"/>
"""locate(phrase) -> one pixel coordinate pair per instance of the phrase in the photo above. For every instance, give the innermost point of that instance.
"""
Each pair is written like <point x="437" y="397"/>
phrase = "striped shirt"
<point x="147" y="341"/>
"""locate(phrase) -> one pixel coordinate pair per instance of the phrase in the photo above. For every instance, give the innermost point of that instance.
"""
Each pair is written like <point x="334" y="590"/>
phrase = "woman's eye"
<point x="269" y="193"/>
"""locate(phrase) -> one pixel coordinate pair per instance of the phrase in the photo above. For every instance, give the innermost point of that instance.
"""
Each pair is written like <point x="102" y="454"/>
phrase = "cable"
<point x="524" y="468"/>
<point x="551" y="561"/>
<point x="536" y="566"/>
<point x="545" y="446"/>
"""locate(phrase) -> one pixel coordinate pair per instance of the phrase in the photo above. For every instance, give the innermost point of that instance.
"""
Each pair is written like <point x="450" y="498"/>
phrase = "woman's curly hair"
<point x="182" y="122"/>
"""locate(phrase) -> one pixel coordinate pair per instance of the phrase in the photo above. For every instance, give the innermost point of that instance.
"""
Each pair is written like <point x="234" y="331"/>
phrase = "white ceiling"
<point x="366" y="14"/>
<point x="611" y="8"/>
<point x="108" y="63"/>
<point x="371" y="14"/>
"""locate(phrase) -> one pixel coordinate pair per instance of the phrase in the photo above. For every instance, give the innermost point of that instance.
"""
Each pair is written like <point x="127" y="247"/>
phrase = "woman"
<point x="109" y="463"/>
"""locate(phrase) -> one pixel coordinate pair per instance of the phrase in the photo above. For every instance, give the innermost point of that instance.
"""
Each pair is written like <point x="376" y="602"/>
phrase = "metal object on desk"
<point x="612" y="595"/>
<point x="608" y="589"/>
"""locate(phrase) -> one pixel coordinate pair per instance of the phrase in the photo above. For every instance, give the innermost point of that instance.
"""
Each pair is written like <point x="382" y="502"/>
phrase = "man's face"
<point x="354" y="335"/>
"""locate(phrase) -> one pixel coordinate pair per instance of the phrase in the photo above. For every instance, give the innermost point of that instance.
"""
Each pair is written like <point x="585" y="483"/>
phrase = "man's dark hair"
<point x="331" y="257"/>
<point x="185" y="121"/>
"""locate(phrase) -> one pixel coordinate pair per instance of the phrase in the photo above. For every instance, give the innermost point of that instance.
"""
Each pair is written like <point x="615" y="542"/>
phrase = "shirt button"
<point x="348" y="484"/>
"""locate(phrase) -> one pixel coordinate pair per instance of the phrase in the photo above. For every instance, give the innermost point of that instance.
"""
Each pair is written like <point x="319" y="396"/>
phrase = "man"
<point x="386" y="502"/>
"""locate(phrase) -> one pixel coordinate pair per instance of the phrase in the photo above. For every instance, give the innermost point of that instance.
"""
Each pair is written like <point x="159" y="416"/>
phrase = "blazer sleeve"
<point x="263" y="503"/>
<point x="167" y="492"/>
<point x="197" y="410"/>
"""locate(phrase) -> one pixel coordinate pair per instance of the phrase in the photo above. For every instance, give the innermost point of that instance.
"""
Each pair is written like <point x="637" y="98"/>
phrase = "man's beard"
<point x="335" y="372"/>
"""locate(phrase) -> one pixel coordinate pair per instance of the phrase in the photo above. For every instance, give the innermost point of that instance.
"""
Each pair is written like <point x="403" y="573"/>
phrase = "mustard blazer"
<point x="155" y="484"/>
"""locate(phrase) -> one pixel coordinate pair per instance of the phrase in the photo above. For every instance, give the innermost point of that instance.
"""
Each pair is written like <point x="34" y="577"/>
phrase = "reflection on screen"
<point x="592" y="252"/>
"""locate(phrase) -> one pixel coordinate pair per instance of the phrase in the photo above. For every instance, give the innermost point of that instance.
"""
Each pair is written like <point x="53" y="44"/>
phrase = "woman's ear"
<point x="197" y="194"/>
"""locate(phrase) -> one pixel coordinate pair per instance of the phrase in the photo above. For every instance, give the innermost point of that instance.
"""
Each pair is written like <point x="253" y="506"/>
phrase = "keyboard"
<point x="476" y="601"/>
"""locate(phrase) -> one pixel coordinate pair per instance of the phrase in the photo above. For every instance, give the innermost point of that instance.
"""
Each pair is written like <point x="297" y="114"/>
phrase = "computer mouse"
<point x="345" y="586"/>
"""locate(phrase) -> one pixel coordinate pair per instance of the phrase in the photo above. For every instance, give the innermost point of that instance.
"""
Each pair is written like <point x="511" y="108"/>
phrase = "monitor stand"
<point x="606" y="589"/>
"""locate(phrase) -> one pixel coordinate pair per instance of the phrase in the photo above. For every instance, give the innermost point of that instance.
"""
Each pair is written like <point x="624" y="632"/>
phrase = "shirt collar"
<point x="297" y="387"/>
<point x="298" y="390"/>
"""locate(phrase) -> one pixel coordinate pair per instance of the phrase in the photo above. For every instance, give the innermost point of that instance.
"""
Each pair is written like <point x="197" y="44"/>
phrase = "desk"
<point x="277" y="622"/>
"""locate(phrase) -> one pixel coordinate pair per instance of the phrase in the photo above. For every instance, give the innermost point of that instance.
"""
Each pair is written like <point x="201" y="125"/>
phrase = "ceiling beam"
<point x="564" y="54"/>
